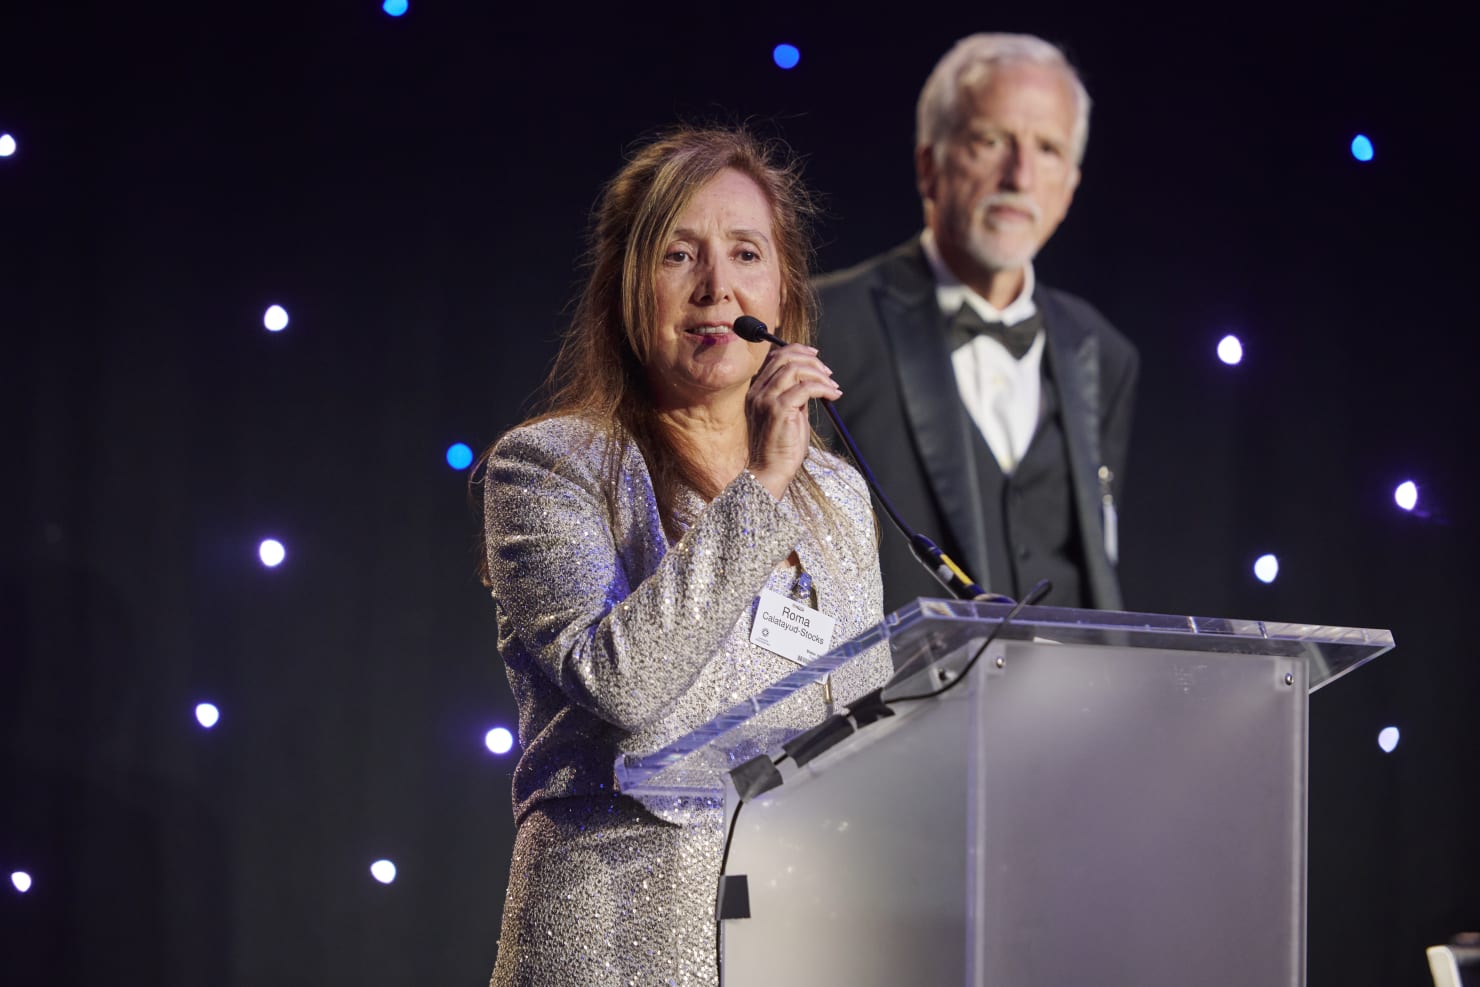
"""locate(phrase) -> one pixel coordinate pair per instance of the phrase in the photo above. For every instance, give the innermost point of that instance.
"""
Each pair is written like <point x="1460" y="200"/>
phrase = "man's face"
<point x="1002" y="181"/>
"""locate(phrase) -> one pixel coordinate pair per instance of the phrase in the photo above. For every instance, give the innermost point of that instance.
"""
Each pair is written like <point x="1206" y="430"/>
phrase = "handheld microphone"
<point x="753" y="330"/>
<point x="945" y="571"/>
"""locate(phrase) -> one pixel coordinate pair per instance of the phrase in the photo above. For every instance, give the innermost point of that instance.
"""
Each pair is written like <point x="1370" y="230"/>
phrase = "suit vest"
<point x="1032" y="526"/>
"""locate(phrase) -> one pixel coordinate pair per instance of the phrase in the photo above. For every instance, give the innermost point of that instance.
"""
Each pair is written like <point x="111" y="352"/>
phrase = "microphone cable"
<point x="756" y="776"/>
<point x="941" y="566"/>
<point x="1038" y="592"/>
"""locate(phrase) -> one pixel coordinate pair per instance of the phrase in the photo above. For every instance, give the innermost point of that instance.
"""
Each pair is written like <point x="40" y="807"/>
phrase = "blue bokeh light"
<point x="7" y="145"/>
<point x="459" y="456"/>
<point x="207" y="715"/>
<point x="1362" y="147"/>
<point x="20" y="880"/>
<point x="395" y="7"/>
<point x="786" y="56"/>
<point x="1266" y="568"/>
<point x="383" y="871"/>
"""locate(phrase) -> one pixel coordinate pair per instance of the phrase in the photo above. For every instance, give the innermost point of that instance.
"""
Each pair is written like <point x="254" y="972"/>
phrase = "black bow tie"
<point x="1018" y="338"/>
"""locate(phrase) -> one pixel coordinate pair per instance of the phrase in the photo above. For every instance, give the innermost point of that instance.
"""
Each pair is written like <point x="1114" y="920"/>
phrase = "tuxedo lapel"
<point x="1074" y="361"/>
<point x="938" y="423"/>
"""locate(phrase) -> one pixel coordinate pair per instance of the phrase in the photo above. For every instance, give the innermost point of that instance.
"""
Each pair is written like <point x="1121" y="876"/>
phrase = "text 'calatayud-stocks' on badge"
<point x="790" y="629"/>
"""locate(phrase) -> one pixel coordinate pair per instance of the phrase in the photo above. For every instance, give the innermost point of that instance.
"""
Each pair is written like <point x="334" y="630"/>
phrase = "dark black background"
<point x="415" y="191"/>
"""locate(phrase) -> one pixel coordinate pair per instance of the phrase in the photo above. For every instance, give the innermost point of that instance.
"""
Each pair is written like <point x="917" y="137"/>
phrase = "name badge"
<point x="790" y="629"/>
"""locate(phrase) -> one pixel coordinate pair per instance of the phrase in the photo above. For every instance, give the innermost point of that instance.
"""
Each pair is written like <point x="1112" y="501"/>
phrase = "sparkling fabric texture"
<point x="615" y="642"/>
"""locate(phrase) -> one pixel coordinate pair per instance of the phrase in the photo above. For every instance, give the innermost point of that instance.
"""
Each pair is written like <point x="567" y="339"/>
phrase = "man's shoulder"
<point x="1086" y="319"/>
<point x="881" y="270"/>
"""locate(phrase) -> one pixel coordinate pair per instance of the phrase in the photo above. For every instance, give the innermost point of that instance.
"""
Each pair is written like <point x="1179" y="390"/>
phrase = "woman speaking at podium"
<point x="650" y="538"/>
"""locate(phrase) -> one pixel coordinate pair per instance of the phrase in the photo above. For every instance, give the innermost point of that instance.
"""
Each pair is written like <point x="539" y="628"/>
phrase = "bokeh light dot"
<point x="1406" y="495"/>
<point x="7" y="145"/>
<point x="1387" y="739"/>
<point x="275" y="319"/>
<point x="1230" y="350"/>
<point x="1266" y="568"/>
<point x="786" y="56"/>
<point x="207" y="715"/>
<point x="21" y="881"/>
<point x="272" y="553"/>
<point x="499" y="740"/>
<point x="459" y="456"/>
<point x="383" y="871"/>
<point x="1362" y="147"/>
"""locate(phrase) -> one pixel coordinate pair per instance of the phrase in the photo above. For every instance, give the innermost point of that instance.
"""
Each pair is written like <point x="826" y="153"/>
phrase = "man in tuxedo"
<point x="994" y="410"/>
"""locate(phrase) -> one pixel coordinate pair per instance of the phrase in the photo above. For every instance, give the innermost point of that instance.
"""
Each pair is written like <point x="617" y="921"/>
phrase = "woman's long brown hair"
<point x="598" y="374"/>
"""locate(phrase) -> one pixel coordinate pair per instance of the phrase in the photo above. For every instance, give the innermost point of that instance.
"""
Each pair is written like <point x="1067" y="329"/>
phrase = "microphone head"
<point x="751" y="329"/>
<point x="1038" y="592"/>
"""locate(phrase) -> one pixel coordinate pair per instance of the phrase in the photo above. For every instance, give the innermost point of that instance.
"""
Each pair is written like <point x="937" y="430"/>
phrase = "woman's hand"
<point x="776" y="411"/>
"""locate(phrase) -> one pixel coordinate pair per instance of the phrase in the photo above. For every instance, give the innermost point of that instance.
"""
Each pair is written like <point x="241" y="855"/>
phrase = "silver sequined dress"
<point x="616" y="641"/>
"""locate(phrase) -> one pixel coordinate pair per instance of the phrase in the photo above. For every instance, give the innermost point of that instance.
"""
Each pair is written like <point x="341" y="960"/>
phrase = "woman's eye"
<point x="749" y="255"/>
<point x="676" y="256"/>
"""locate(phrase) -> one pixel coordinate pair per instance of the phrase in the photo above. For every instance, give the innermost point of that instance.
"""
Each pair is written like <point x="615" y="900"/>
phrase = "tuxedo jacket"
<point x="883" y="335"/>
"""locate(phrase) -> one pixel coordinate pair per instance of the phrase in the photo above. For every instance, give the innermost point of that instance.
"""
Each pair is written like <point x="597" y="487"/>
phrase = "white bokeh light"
<point x="383" y="871"/>
<point x="499" y="740"/>
<point x="207" y="715"/>
<point x="1230" y="350"/>
<point x="1387" y="739"/>
<point x="1266" y="568"/>
<point x="1406" y="495"/>
<point x="21" y="881"/>
<point x="7" y="145"/>
<point x="272" y="552"/>
<point x="275" y="319"/>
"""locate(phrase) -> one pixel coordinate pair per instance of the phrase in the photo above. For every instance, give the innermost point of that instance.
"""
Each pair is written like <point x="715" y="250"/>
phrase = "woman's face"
<point x="720" y="263"/>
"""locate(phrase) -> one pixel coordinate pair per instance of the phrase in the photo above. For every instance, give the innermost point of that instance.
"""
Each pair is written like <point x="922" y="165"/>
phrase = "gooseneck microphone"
<point x="946" y="572"/>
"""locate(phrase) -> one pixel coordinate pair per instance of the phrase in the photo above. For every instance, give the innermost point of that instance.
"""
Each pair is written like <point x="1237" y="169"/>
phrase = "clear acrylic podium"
<point x="1108" y="799"/>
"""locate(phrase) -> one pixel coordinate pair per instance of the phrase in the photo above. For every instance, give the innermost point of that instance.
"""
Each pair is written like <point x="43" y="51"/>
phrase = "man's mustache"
<point x="1009" y="200"/>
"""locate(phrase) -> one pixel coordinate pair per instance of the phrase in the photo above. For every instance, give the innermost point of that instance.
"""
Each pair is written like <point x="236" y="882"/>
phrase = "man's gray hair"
<point x="969" y="64"/>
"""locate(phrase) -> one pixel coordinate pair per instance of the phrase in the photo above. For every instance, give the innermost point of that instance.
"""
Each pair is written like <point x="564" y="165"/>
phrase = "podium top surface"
<point x="929" y="631"/>
<point x="1333" y="651"/>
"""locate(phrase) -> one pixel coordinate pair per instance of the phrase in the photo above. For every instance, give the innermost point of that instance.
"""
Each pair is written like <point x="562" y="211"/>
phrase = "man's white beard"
<point x="979" y="242"/>
<point x="995" y="257"/>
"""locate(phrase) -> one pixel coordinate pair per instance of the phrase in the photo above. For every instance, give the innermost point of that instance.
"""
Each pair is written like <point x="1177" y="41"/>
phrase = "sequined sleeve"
<point x="623" y="652"/>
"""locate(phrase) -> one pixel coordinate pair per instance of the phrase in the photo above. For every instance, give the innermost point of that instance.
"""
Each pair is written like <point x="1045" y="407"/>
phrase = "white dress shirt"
<point x="1001" y="393"/>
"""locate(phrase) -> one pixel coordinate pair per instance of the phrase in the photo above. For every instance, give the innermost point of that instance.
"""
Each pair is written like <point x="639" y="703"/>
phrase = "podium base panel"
<point x="1079" y="816"/>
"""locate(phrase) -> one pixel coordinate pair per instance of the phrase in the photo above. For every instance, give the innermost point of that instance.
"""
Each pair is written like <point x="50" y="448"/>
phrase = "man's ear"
<point x="926" y="170"/>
